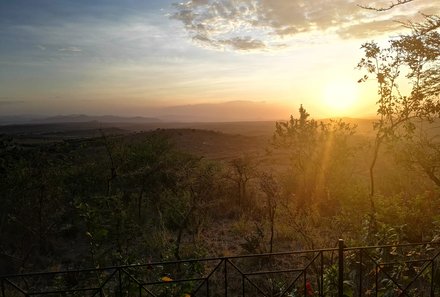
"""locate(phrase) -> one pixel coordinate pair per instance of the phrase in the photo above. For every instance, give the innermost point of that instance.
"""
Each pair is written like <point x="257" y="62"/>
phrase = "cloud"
<point x="266" y="24"/>
<point x="369" y="29"/>
<point x="73" y="49"/>
<point x="244" y="43"/>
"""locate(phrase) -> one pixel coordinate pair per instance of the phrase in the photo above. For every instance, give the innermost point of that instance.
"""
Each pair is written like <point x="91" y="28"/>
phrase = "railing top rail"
<point x="390" y="246"/>
<point x="211" y="259"/>
<point x="168" y="263"/>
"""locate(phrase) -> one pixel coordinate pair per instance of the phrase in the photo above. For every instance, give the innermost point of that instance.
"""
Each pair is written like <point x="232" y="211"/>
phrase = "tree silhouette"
<point x="315" y="149"/>
<point x="411" y="60"/>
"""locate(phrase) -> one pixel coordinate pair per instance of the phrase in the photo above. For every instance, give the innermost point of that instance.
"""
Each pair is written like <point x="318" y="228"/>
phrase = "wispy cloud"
<point x="262" y="24"/>
<point x="73" y="49"/>
<point x="244" y="43"/>
<point x="369" y="29"/>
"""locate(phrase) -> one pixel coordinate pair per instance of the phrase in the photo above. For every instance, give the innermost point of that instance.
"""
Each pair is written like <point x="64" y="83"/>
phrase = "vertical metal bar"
<point x="432" y="278"/>
<point x="120" y="282"/>
<point x="305" y="283"/>
<point x="321" y="290"/>
<point x="3" y="288"/>
<point x="207" y="287"/>
<point x="360" y="272"/>
<point x="341" y="268"/>
<point x="226" y="277"/>
<point x="243" y="286"/>
<point x="140" y="291"/>
<point x="377" y="281"/>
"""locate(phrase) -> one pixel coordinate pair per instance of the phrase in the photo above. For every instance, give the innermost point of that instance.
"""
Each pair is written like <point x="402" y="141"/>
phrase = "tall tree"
<point x="411" y="61"/>
<point x="315" y="149"/>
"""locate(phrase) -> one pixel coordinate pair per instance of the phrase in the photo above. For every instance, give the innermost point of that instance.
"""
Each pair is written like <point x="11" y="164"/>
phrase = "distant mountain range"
<point x="81" y="118"/>
<point x="232" y="111"/>
<point x="74" y="118"/>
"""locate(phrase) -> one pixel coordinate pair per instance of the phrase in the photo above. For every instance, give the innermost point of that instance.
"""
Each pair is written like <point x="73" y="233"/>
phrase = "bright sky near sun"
<point x="138" y="57"/>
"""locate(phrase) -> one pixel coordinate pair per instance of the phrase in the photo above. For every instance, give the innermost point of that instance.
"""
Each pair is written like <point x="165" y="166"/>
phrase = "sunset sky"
<point x="144" y="58"/>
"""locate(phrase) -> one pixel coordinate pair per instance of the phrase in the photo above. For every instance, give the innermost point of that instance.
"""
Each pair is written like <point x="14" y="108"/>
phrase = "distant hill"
<point x="232" y="111"/>
<point x="74" y="118"/>
<point x="81" y="118"/>
<point x="18" y="119"/>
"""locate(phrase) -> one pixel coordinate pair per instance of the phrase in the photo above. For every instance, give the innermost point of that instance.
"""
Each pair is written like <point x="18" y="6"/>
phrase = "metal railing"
<point x="391" y="270"/>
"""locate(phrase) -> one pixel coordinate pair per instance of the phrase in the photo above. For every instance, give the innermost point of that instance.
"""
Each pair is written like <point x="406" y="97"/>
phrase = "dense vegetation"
<point x="134" y="198"/>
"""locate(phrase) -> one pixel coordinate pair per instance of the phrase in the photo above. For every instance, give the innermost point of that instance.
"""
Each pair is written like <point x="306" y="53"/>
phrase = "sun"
<point x="340" y="96"/>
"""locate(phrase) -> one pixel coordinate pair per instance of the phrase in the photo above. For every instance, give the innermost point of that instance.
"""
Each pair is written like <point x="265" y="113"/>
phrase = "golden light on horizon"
<point x="340" y="97"/>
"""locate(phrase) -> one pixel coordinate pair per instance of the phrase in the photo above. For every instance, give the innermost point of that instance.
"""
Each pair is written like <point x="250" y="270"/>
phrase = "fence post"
<point x="120" y="281"/>
<point x="3" y="287"/>
<point x="226" y="277"/>
<point x="341" y="268"/>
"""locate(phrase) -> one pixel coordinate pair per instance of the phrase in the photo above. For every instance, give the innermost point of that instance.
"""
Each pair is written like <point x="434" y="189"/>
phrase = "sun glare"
<point x="340" y="96"/>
